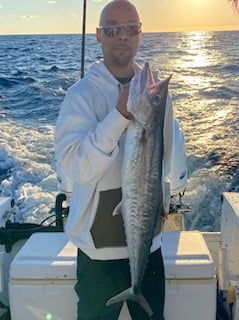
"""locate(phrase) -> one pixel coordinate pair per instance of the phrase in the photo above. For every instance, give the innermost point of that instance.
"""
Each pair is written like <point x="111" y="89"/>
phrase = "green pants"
<point x="97" y="281"/>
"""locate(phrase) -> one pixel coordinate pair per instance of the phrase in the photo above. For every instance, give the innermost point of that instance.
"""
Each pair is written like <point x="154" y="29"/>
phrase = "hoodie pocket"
<point x="108" y="230"/>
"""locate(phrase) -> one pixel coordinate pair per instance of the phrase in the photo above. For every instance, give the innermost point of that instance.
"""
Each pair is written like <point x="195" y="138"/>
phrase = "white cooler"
<point x="42" y="278"/>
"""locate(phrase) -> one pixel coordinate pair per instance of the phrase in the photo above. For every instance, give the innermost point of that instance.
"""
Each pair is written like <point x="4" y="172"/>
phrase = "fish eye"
<point x="156" y="99"/>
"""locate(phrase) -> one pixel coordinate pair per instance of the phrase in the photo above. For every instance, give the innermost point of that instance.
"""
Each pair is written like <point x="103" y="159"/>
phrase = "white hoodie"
<point x="89" y="144"/>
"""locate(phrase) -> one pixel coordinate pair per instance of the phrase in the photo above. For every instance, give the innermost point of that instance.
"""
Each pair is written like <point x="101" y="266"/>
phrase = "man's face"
<point x="119" y="35"/>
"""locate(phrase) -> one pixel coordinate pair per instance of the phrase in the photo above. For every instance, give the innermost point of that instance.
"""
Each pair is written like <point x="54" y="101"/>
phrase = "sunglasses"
<point x="113" y="30"/>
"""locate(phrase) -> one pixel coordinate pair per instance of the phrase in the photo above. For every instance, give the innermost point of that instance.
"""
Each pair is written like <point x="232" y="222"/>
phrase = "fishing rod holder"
<point x="177" y="205"/>
<point x="15" y="231"/>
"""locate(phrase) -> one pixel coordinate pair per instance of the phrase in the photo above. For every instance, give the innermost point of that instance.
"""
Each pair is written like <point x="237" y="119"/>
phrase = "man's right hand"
<point x="122" y="102"/>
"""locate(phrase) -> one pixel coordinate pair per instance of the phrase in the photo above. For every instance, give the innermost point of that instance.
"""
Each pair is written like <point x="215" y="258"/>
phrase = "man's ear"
<point x="97" y="34"/>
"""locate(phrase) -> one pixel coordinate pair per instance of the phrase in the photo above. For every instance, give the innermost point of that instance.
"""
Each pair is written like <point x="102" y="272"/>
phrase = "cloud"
<point x="1" y="6"/>
<point x="51" y="1"/>
<point x="30" y="17"/>
<point x="73" y="15"/>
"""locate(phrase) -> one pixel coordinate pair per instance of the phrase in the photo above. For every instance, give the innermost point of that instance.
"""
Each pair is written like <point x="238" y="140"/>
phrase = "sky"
<point x="65" y="16"/>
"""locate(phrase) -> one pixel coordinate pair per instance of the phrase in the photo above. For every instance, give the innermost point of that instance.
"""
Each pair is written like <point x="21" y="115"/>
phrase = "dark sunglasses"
<point x="113" y="30"/>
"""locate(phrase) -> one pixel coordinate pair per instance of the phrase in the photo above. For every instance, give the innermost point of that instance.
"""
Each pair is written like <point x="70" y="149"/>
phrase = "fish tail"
<point x="129" y="294"/>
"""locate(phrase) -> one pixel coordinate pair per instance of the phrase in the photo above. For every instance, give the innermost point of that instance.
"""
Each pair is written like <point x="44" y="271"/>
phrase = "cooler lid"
<point x="53" y="256"/>
<point x="186" y="256"/>
<point x="45" y="256"/>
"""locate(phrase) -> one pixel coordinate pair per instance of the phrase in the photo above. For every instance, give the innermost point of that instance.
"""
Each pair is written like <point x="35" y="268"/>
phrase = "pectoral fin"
<point x="117" y="209"/>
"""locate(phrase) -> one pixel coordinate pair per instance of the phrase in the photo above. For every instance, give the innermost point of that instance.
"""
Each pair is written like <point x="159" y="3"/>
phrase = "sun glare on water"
<point x="196" y="56"/>
<point x="196" y="47"/>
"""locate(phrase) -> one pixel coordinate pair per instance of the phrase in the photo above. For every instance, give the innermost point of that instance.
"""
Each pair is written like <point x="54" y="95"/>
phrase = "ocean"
<point x="36" y="70"/>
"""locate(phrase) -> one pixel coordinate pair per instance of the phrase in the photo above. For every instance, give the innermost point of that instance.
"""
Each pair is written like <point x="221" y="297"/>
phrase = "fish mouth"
<point x="146" y="78"/>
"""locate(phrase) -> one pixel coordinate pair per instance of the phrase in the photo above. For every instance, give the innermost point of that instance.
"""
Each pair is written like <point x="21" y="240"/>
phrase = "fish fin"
<point x="117" y="210"/>
<point x="129" y="294"/>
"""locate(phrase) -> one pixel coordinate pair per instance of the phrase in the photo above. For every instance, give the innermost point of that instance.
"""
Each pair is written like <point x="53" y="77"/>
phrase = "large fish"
<point x="142" y="196"/>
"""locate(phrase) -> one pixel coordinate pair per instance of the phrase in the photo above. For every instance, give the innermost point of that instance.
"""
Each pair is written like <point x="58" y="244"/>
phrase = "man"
<point x="89" y="146"/>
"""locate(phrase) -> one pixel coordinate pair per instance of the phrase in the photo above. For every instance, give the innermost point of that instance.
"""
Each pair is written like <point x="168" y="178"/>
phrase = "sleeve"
<point x="175" y="169"/>
<point x="85" y="147"/>
<point x="168" y="136"/>
<point x="168" y="151"/>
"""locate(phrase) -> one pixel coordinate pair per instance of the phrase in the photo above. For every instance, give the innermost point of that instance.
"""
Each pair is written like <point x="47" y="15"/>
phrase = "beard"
<point x="122" y="59"/>
<point x="121" y="56"/>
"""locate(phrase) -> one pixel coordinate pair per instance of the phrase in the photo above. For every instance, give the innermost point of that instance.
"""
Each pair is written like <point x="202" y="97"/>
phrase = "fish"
<point x="142" y="205"/>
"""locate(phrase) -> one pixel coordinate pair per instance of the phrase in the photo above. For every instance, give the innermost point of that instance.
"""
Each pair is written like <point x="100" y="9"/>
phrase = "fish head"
<point x="146" y="96"/>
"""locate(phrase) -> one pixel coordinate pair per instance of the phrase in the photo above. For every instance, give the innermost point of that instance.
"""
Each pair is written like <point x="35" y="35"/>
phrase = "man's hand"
<point x="122" y="102"/>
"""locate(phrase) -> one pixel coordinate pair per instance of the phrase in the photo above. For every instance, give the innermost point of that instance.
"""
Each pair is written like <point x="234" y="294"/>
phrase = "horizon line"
<point x="215" y="29"/>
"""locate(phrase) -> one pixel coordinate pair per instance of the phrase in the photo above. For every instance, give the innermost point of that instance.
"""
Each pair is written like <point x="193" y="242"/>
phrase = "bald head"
<point x="107" y="14"/>
<point x="119" y="34"/>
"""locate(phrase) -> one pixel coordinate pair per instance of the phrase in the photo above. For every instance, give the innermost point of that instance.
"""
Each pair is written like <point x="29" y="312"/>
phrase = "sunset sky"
<point x="65" y="16"/>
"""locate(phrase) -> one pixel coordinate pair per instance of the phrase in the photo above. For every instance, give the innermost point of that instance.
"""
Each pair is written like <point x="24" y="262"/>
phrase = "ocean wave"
<point x="218" y="92"/>
<point x="54" y="69"/>
<point x="9" y="82"/>
<point x="7" y="162"/>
